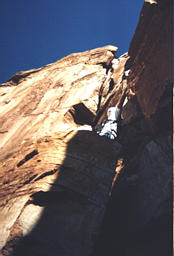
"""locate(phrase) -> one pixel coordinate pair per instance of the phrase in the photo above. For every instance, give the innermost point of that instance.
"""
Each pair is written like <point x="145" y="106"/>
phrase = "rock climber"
<point x="109" y="127"/>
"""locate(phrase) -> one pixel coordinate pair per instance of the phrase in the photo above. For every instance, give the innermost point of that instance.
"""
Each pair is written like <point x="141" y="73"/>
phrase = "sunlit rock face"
<point x="56" y="173"/>
<point x="151" y="55"/>
<point x="64" y="190"/>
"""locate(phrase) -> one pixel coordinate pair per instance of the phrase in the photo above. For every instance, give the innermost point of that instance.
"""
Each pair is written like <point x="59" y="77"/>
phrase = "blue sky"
<point x="38" y="32"/>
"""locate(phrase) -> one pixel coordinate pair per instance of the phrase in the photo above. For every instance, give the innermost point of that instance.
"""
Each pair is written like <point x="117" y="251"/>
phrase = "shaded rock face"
<point x="64" y="190"/>
<point x="138" y="220"/>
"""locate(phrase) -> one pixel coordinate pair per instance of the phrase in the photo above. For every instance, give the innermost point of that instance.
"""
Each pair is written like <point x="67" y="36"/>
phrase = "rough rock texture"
<point x="151" y="55"/>
<point x="56" y="174"/>
<point x="138" y="220"/>
<point x="63" y="187"/>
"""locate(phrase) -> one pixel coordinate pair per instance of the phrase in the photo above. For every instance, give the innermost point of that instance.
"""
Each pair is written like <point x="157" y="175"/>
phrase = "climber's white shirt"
<point x="110" y="128"/>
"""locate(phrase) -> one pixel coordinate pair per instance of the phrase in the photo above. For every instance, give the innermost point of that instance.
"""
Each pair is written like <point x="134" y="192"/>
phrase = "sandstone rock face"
<point x="151" y="55"/>
<point x="56" y="174"/>
<point x="63" y="187"/>
<point x="138" y="220"/>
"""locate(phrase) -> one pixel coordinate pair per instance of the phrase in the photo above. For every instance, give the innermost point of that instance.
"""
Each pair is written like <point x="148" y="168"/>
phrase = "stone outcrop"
<point x="138" y="220"/>
<point x="54" y="169"/>
<point x="151" y="55"/>
<point x="64" y="190"/>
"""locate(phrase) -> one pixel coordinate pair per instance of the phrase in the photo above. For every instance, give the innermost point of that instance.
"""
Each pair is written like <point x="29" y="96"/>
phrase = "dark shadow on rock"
<point x="74" y="207"/>
<point x="138" y="219"/>
<point x="81" y="114"/>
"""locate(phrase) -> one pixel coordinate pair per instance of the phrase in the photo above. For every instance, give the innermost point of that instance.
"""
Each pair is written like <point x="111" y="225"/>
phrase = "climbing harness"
<point x="108" y="128"/>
